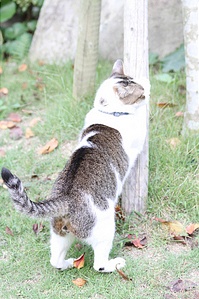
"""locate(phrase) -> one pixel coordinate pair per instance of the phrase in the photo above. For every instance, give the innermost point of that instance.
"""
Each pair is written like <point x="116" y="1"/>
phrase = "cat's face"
<point x="118" y="89"/>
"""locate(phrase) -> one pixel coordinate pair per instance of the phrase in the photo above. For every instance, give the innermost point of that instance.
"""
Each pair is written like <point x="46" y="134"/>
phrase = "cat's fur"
<point x="85" y="193"/>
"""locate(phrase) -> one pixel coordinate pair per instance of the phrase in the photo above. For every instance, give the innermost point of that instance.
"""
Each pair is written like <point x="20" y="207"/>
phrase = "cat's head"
<point x="118" y="90"/>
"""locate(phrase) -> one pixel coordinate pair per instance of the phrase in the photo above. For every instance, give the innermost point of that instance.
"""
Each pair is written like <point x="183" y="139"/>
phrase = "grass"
<point x="25" y="270"/>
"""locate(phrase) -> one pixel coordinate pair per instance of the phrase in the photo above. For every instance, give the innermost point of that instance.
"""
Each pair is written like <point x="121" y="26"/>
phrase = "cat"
<point x="83" y="198"/>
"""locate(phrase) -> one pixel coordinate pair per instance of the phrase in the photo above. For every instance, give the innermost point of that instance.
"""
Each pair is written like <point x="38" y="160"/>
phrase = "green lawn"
<point x="45" y="93"/>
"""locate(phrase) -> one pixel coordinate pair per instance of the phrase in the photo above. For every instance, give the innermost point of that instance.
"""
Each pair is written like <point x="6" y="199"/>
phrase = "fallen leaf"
<point x="80" y="282"/>
<point x="49" y="147"/>
<point x="34" y="121"/>
<point x="9" y="231"/>
<point x="119" y="213"/>
<point x="40" y="84"/>
<point x="41" y="63"/>
<point x="173" y="142"/>
<point x="24" y="85"/>
<point x="180" y="239"/>
<point x="174" y="227"/>
<point x="29" y="133"/>
<point x="34" y="176"/>
<point x="165" y="104"/>
<point x="14" y="117"/>
<point x="179" y="114"/>
<point x="123" y="275"/>
<point x="5" y="124"/>
<point x="37" y="228"/>
<point x="137" y="242"/>
<point x="180" y="285"/>
<point x="23" y="67"/>
<point x="4" y="90"/>
<point x="79" y="262"/>
<point x="191" y="228"/>
<point x="29" y="112"/>
<point x="2" y="152"/>
<point x="16" y="133"/>
<point x="1" y="70"/>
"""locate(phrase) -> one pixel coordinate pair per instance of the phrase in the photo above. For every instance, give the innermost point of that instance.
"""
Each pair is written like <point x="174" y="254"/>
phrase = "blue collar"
<point x="117" y="114"/>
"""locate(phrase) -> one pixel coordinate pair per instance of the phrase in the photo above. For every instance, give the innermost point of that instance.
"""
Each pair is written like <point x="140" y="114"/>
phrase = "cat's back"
<point x="93" y="166"/>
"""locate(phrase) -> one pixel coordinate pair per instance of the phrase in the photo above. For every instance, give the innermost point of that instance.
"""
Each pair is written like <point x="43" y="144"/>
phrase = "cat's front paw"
<point x="112" y="265"/>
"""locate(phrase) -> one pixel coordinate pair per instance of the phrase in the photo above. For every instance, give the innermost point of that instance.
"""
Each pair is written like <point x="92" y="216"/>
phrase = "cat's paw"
<point x="111" y="265"/>
<point x="65" y="264"/>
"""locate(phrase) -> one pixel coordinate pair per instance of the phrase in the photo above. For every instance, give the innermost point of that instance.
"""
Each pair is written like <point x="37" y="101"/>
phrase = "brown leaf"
<point x="191" y="228"/>
<point x="49" y="147"/>
<point x="40" y="84"/>
<point x="165" y="104"/>
<point x="6" y="124"/>
<point x="16" y="133"/>
<point x="80" y="282"/>
<point x="9" y="231"/>
<point x="4" y="91"/>
<point x="174" y="227"/>
<point x="1" y="70"/>
<point x="180" y="285"/>
<point x="29" y="133"/>
<point x="123" y="275"/>
<point x="23" y="67"/>
<point x="29" y="112"/>
<point x="2" y="152"/>
<point x="173" y="142"/>
<point x="34" y="121"/>
<point x="79" y="262"/>
<point x="119" y="213"/>
<point x="137" y="242"/>
<point x="179" y="114"/>
<point x="14" y="117"/>
<point x="37" y="228"/>
<point x="24" y="85"/>
<point x="180" y="239"/>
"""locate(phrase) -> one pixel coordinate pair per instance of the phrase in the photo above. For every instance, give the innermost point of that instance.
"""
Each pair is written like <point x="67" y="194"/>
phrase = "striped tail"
<point x="47" y="208"/>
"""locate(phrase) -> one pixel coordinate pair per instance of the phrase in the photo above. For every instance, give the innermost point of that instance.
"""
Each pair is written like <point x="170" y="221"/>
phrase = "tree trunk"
<point x="136" y="65"/>
<point x="191" y="43"/>
<point x="87" y="48"/>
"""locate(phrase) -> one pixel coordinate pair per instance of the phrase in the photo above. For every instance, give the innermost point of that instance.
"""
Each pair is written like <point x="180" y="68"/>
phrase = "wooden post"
<point x="87" y="48"/>
<point x="191" y="44"/>
<point x="136" y="65"/>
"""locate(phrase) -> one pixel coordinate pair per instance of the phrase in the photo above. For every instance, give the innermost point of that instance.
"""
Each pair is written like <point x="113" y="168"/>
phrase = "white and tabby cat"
<point x="82" y="201"/>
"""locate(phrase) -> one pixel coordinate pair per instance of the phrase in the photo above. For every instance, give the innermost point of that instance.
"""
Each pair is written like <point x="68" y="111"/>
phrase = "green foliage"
<point x="24" y="4"/>
<point x="15" y="31"/>
<point x="174" y="61"/>
<point x="7" y="10"/>
<point x="17" y="35"/>
<point x="164" y="78"/>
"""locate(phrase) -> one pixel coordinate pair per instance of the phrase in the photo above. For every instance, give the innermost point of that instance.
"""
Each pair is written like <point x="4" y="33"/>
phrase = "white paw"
<point x="63" y="265"/>
<point x="119" y="262"/>
<point x="111" y="265"/>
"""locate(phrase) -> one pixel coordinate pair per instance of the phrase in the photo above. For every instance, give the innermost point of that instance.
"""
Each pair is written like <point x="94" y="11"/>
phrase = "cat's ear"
<point x="118" y="67"/>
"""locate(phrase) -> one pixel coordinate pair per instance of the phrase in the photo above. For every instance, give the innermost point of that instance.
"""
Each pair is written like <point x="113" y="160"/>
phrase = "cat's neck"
<point x="123" y="110"/>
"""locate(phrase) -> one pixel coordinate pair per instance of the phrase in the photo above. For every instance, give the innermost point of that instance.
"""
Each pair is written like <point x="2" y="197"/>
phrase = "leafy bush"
<point x="19" y="20"/>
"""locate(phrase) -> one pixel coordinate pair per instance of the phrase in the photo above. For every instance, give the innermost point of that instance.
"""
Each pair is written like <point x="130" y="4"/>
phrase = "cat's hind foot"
<point x="110" y="265"/>
<point x="63" y="265"/>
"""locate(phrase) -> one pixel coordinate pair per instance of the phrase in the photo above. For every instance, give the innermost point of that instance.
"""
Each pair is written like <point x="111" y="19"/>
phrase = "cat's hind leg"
<point x="101" y="241"/>
<point x="59" y="245"/>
